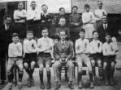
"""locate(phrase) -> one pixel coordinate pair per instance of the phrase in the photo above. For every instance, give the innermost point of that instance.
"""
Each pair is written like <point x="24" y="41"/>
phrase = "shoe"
<point x="32" y="82"/>
<point x="106" y="83"/>
<point x="80" y="85"/>
<point x="91" y="85"/>
<point x="10" y="86"/>
<point x="42" y="86"/>
<point x="48" y="85"/>
<point x="70" y="85"/>
<point x="2" y="82"/>
<point x="111" y="82"/>
<point x="19" y="85"/>
<point x="57" y="86"/>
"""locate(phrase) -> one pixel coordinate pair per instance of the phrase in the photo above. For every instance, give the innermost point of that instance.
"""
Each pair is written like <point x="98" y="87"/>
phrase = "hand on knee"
<point x="32" y="65"/>
<point x="26" y="65"/>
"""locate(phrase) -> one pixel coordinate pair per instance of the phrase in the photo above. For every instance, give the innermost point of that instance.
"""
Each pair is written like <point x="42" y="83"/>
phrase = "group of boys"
<point x="94" y="48"/>
<point x="42" y="51"/>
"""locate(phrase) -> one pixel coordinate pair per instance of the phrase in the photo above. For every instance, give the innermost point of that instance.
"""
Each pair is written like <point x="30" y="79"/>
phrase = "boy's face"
<point x="44" y="8"/>
<point x="100" y="5"/>
<point x="119" y="32"/>
<point x="82" y="34"/>
<point x="108" y="38"/>
<point x="45" y="33"/>
<point x="20" y="6"/>
<point x="74" y="10"/>
<point x="62" y="35"/>
<point x="30" y="35"/>
<point x="33" y="5"/>
<point x="62" y="11"/>
<point x="62" y="22"/>
<point x="95" y="35"/>
<point x="8" y="20"/>
<point x="15" y="39"/>
<point x="87" y="9"/>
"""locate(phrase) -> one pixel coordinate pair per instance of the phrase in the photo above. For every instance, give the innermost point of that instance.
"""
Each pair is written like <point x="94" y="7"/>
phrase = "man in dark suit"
<point x="5" y="38"/>
<point x="104" y="28"/>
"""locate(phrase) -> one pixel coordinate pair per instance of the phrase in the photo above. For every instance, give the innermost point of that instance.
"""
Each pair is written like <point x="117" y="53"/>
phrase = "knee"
<point x="41" y="67"/>
<point x="47" y="68"/>
<point x="56" y="64"/>
<point x="112" y="64"/>
<point x="26" y="65"/>
<point x="99" y="63"/>
<point x="20" y="67"/>
<point x="70" y="64"/>
<point x="104" y="65"/>
<point x="32" y="64"/>
<point x="93" y="62"/>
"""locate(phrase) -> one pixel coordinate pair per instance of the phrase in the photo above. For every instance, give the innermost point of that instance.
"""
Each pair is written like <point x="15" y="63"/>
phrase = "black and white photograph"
<point x="60" y="44"/>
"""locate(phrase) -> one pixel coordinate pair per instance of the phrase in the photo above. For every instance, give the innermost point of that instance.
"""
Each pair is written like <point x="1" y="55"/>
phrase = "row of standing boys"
<point x="36" y="22"/>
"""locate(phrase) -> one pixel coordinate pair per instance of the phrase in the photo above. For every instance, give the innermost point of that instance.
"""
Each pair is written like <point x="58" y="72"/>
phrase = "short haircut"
<point x="15" y="35"/>
<point x="86" y="6"/>
<point x="44" y="28"/>
<point x="75" y="7"/>
<point x="61" y="8"/>
<point x="107" y="34"/>
<point x="7" y="16"/>
<point x="94" y="32"/>
<point x="82" y="30"/>
<point x="44" y="5"/>
<point x="29" y="31"/>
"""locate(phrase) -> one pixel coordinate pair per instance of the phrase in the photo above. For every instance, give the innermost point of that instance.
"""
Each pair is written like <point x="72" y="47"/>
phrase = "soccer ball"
<point x="86" y="83"/>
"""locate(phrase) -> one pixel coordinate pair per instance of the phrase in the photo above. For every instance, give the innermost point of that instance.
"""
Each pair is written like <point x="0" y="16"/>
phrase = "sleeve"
<point x="92" y="18"/>
<point x="105" y="13"/>
<point x="24" y="46"/>
<point x="104" y="50"/>
<point x="15" y="16"/>
<point x="9" y="51"/>
<point x="71" y="52"/>
<point x="56" y="52"/>
<point x="19" y="49"/>
<point x="83" y="18"/>
<point x="77" y="47"/>
<point x="34" y="46"/>
<point x="99" y="47"/>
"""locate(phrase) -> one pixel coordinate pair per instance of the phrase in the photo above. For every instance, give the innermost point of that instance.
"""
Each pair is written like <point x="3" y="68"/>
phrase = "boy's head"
<point x="108" y="37"/>
<point x="44" y="8"/>
<point x="119" y="32"/>
<point x="100" y="4"/>
<point x="62" y="21"/>
<point x="82" y="33"/>
<point x="45" y="32"/>
<point x="20" y="6"/>
<point x="62" y="11"/>
<point x="7" y="20"/>
<point x="87" y="7"/>
<point x="29" y="35"/>
<point x="33" y="5"/>
<point x="15" y="37"/>
<point x="55" y="38"/>
<point x="95" y="35"/>
<point x="62" y="35"/>
<point x="74" y="9"/>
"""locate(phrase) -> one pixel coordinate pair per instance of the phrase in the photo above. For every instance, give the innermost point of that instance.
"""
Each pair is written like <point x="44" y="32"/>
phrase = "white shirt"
<point x="18" y="14"/>
<point x="15" y="49"/>
<point x="108" y="49"/>
<point x="33" y="14"/>
<point x="45" y="45"/>
<point x="87" y="17"/>
<point x="30" y="46"/>
<point x="95" y="46"/>
<point x="81" y="46"/>
<point x="100" y="13"/>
